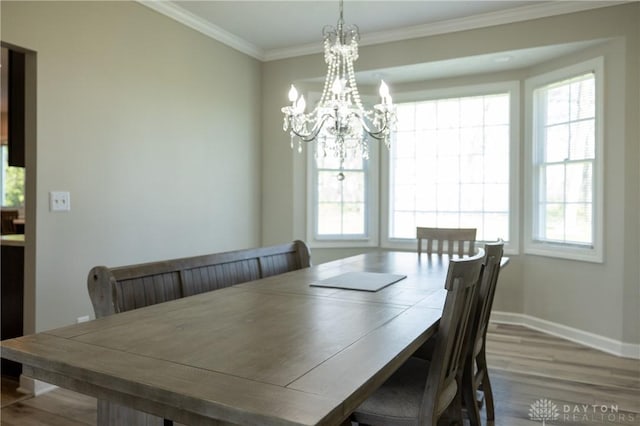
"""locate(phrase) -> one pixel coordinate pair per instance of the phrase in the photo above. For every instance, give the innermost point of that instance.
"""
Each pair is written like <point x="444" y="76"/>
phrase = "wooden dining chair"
<point x="423" y="392"/>
<point x="475" y="375"/>
<point x="456" y="238"/>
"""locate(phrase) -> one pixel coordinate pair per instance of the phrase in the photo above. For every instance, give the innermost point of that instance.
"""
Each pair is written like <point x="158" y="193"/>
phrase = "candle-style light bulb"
<point x="300" y="104"/>
<point x="293" y="94"/>
<point x="384" y="92"/>
<point x="336" y="88"/>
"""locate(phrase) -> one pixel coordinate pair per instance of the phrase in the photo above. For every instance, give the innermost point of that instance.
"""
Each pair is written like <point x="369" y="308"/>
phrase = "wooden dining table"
<point x="276" y="351"/>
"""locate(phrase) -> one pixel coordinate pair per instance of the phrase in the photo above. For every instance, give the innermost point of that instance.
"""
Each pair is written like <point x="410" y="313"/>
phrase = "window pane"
<point x="471" y="112"/>
<point x="352" y="186"/>
<point x="496" y="110"/>
<point x="557" y="143"/>
<point x="329" y="219"/>
<point x="583" y="138"/>
<point x="405" y="173"/>
<point x="472" y="168"/>
<point x="353" y="216"/>
<point x="447" y="220"/>
<point x="496" y="225"/>
<point x="448" y="197"/>
<point x="554" y="222"/>
<point x="329" y="187"/>
<point x="578" y="182"/>
<point x="405" y="226"/>
<point x="557" y="105"/>
<point x="471" y="140"/>
<point x="496" y="197"/>
<point x="553" y="176"/>
<point x="405" y="145"/>
<point x="496" y="167"/>
<point x="583" y="99"/>
<point x="447" y="141"/>
<point x="578" y="220"/>
<point x="426" y="197"/>
<point x="426" y="113"/>
<point x="448" y="169"/>
<point x="471" y="198"/>
<point x="405" y="197"/>
<point x="406" y="118"/>
<point x="448" y="114"/>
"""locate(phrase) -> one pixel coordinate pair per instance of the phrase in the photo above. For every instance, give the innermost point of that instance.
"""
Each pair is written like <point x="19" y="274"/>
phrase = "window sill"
<point x="565" y="252"/>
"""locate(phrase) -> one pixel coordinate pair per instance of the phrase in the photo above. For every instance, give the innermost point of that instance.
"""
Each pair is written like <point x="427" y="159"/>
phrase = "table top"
<point x="271" y="351"/>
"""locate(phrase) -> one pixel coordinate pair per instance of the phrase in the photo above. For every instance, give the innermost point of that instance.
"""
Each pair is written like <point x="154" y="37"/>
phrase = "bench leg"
<point x="112" y="414"/>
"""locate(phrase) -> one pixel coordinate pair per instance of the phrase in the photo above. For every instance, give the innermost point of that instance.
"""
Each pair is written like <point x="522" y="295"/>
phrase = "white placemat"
<point x="364" y="281"/>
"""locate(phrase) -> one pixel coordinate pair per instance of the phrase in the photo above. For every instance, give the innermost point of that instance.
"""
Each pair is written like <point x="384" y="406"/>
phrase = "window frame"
<point x="371" y="225"/>
<point x="594" y="252"/>
<point x="513" y="88"/>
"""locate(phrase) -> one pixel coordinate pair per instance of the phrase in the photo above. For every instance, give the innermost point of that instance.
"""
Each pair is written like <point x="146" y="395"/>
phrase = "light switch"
<point x="59" y="201"/>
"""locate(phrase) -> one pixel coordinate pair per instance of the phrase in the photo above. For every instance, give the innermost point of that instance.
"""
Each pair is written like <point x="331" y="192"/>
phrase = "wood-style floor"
<point x="583" y="386"/>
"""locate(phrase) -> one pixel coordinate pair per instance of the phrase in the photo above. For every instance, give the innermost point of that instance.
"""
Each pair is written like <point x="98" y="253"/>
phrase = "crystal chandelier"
<point x="339" y="123"/>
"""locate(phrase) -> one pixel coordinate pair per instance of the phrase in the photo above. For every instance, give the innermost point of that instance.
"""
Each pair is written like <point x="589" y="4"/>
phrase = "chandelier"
<point x="339" y="123"/>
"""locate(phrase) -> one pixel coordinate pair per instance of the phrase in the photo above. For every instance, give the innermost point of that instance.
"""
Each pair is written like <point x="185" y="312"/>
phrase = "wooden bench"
<point x="124" y="288"/>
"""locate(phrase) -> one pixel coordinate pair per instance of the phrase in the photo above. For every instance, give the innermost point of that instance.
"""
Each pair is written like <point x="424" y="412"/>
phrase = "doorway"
<point x="17" y="196"/>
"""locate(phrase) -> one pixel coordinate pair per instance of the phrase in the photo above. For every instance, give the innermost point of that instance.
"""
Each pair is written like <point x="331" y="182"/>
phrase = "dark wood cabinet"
<point x="16" y="109"/>
<point x="11" y="296"/>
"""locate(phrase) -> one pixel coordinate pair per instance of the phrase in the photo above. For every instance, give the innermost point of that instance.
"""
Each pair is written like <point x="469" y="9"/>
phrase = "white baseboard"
<point x="34" y="387"/>
<point x="605" y="344"/>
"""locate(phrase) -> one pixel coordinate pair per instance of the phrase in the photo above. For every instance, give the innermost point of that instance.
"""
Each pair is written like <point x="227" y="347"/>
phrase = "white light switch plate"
<point x="59" y="201"/>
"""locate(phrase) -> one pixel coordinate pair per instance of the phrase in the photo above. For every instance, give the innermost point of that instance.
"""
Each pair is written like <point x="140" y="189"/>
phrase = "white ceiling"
<point x="269" y="30"/>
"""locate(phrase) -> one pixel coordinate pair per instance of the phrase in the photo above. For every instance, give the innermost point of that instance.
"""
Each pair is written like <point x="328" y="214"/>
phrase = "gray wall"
<point x="602" y="299"/>
<point x="167" y="151"/>
<point x="152" y="127"/>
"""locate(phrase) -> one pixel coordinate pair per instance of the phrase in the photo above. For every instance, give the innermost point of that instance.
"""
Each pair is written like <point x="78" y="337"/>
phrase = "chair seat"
<point x="397" y="402"/>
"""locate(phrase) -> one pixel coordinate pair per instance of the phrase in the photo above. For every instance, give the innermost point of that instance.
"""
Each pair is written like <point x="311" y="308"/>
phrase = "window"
<point x="565" y="163"/>
<point x="341" y="200"/>
<point x="451" y="164"/>
<point x="11" y="182"/>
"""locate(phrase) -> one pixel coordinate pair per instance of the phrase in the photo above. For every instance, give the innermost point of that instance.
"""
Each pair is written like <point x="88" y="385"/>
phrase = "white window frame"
<point x="371" y="226"/>
<point x="593" y="253"/>
<point x="513" y="88"/>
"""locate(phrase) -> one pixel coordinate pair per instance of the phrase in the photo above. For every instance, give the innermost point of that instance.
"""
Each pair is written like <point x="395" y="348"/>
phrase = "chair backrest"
<point x="452" y="236"/>
<point x="442" y="382"/>
<point x="486" y="292"/>
<point x="7" y="225"/>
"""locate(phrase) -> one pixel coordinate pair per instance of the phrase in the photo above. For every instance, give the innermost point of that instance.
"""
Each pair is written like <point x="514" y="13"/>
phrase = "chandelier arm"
<point x="378" y="134"/>
<point x="311" y="136"/>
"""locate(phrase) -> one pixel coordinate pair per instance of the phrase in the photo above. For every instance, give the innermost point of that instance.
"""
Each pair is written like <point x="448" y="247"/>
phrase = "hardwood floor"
<point x="582" y="386"/>
<point x="527" y="366"/>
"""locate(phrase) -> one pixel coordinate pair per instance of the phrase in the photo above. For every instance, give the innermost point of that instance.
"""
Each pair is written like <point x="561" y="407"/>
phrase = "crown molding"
<point x="187" y="18"/>
<point x="519" y="14"/>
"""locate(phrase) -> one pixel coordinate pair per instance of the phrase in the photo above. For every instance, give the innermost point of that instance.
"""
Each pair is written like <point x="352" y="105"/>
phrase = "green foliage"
<point x="14" y="187"/>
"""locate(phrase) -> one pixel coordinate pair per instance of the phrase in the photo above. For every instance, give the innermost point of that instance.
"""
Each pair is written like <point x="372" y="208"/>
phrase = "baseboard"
<point x="34" y="387"/>
<point x="605" y="344"/>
